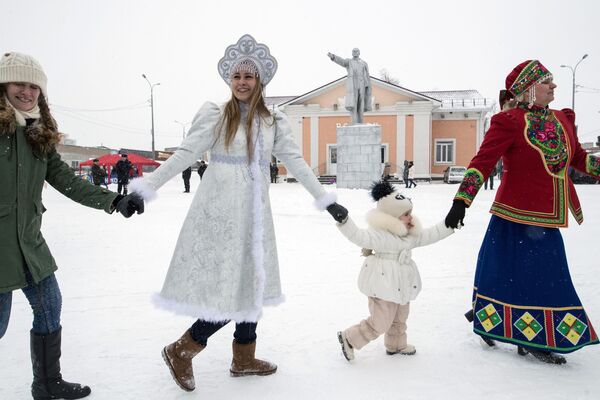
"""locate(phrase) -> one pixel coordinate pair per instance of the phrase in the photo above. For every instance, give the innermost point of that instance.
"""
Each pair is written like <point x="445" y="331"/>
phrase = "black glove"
<point x="456" y="214"/>
<point x="338" y="212"/>
<point x="130" y="204"/>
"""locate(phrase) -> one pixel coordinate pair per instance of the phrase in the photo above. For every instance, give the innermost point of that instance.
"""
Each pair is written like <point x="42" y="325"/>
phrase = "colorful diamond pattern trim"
<point x="489" y="317"/>
<point x="528" y="326"/>
<point x="571" y="328"/>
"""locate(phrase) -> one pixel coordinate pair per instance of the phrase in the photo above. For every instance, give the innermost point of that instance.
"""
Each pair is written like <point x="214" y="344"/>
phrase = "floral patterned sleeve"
<point x="500" y="136"/>
<point x="582" y="160"/>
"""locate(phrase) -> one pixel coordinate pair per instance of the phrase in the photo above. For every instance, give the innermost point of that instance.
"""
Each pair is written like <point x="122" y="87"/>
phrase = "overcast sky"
<point x="94" y="53"/>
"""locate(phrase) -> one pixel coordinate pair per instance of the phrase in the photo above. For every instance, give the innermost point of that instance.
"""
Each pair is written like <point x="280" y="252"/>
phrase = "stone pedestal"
<point x="358" y="156"/>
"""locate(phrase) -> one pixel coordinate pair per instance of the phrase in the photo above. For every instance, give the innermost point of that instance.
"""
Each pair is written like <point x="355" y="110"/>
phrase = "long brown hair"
<point x="231" y="118"/>
<point x="42" y="137"/>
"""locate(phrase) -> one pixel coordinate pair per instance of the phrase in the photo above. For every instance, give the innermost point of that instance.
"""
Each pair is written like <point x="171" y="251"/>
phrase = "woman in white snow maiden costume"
<point x="523" y="293"/>
<point x="389" y="277"/>
<point x="225" y="264"/>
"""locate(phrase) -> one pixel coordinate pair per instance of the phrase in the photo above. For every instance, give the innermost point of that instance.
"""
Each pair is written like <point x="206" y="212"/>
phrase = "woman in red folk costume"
<point x="523" y="293"/>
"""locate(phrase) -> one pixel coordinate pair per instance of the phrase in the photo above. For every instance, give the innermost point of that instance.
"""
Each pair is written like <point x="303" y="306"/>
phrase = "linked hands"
<point x="130" y="204"/>
<point x="456" y="215"/>
<point x="338" y="212"/>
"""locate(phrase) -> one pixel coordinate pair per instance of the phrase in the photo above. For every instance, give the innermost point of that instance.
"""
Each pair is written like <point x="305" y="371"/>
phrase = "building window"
<point x="444" y="151"/>
<point x="333" y="154"/>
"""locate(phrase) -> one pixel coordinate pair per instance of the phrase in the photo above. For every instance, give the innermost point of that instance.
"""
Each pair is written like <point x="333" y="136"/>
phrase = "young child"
<point x="389" y="276"/>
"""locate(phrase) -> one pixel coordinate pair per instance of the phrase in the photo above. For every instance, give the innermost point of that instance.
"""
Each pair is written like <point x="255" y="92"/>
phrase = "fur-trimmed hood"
<point x="379" y="220"/>
<point x="8" y="120"/>
<point x="41" y="138"/>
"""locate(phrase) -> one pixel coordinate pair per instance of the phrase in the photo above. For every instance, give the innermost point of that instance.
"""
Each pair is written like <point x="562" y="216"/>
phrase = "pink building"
<point x="433" y="129"/>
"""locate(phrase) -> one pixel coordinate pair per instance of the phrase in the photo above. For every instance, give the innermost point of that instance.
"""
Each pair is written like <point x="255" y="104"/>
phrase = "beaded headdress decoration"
<point x="525" y="76"/>
<point x="248" y="56"/>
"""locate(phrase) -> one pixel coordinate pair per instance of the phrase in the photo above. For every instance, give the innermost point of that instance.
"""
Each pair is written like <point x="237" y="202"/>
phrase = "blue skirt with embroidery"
<point x="523" y="290"/>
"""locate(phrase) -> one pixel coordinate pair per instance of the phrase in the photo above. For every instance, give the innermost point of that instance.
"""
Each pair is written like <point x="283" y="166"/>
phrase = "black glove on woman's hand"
<point x="338" y="212"/>
<point x="456" y="214"/>
<point x="130" y="204"/>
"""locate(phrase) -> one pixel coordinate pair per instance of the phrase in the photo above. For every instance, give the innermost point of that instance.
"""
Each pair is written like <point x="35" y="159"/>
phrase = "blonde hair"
<point x="231" y="118"/>
<point x="510" y="104"/>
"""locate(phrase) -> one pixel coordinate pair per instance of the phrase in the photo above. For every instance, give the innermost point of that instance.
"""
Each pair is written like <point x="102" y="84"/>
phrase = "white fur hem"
<point x="325" y="201"/>
<point x="206" y="314"/>
<point x="140" y="187"/>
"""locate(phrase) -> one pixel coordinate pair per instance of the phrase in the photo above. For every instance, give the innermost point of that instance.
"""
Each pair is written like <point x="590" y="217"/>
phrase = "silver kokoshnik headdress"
<point x="248" y="56"/>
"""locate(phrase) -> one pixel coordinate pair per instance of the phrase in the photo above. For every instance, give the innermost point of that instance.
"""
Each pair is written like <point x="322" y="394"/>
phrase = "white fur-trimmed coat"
<point x="225" y="265"/>
<point x="390" y="273"/>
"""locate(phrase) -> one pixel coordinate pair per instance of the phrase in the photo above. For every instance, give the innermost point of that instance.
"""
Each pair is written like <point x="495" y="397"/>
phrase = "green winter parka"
<point x="22" y="175"/>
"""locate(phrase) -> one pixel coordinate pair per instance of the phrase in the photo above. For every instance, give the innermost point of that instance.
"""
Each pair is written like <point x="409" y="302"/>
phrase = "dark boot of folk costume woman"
<point x="544" y="356"/>
<point x="47" y="379"/>
<point x="178" y="357"/>
<point x="244" y="363"/>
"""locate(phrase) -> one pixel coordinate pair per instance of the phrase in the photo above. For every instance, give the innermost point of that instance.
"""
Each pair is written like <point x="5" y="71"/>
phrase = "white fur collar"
<point x="380" y="220"/>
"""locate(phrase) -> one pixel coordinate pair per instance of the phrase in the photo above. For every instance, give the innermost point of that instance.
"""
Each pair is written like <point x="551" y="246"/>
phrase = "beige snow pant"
<point x="386" y="317"/>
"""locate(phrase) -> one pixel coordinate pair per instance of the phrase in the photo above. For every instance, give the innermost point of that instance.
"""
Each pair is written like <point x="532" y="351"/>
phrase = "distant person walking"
<point x="405" y="173"/>
<point x="202" y="168"/>
<point x="490" y="180"/>
<point x="500" y="169"/>
<point x="98" y="172"/>
<point x="186" y="175"/>
<point x="411" y="175"/>
<point x="274" y="171"/>
<point x="124" y="169"/>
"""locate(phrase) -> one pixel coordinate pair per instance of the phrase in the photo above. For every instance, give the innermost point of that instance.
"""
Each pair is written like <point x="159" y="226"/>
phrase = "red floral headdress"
<point x="525" y="75"/>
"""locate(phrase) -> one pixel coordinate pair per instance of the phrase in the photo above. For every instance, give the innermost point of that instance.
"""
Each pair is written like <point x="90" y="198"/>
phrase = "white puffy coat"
<point x="390" y="273"/>
<point x="225" y="265"/>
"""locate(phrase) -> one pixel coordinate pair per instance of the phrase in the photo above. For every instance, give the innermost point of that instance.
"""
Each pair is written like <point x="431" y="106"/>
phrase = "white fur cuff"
<point x="140" y="187"/>
<point x="325" y="201"/>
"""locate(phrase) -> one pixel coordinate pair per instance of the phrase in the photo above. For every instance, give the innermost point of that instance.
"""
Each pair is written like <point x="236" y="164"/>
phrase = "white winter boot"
<point x="347" y="349"/>
<point x="408" y="350"/>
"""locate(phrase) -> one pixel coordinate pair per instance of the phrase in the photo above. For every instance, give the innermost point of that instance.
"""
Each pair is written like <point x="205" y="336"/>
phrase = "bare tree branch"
<point x="387" y="77"/>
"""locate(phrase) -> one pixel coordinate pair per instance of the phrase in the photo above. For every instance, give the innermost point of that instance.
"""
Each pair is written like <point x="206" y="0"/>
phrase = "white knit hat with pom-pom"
<point x="389" y="200"/>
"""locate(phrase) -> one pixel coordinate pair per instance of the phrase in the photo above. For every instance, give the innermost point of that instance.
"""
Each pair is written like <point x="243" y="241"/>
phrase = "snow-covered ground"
<point x="112" y="336"/>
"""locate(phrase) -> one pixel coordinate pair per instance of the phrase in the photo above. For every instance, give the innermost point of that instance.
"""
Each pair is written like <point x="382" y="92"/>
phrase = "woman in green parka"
<point x="28" y="157"/>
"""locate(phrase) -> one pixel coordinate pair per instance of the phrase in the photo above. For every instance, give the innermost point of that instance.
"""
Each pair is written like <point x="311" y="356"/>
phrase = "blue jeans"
<point x="45" y="301"/>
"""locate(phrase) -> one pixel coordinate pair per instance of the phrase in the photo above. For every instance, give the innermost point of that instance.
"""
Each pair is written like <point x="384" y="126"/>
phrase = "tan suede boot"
<point x="178" y="357"/>
<point x="244" y="363"/>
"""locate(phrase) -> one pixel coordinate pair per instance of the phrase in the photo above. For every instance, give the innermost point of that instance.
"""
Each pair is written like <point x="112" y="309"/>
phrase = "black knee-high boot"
<point x="47" y="380"/>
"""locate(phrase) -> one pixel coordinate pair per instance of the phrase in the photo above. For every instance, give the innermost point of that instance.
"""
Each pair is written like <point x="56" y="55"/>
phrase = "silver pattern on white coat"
<point x="213" y="274"/>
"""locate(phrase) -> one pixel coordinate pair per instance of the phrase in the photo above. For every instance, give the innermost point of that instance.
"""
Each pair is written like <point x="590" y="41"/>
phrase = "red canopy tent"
<point x="108" y="161"/>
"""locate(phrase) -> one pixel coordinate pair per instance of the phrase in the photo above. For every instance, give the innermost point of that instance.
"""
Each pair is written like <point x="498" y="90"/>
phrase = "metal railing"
<point x="467" y="103"/>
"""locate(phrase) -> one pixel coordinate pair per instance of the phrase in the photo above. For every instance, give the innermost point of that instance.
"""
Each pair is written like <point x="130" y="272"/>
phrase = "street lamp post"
<point x="573" y="70"/>
<point x="151" y="109"/>
<point x="182" y="127"/>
